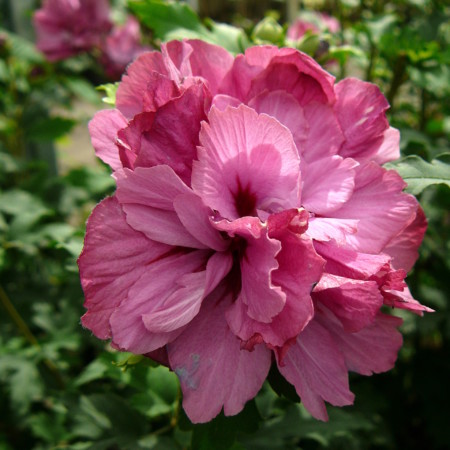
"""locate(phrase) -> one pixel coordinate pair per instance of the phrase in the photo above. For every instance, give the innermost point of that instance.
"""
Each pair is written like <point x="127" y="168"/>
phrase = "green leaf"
<point x="221" y="432"/>
<point x="110" y="90"/>
<point x="108" y="416"/>
<point x="23" y="49"/>
<point x="82" y="89"/>
<point x="420" y="174"/>
<point x="25" y="384"/>
<point x="48" y="129"/>
<point x="176" y="20"/>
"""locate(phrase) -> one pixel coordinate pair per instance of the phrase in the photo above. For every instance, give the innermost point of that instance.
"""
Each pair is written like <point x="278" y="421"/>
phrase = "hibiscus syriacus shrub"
<point x="253" y="225"/>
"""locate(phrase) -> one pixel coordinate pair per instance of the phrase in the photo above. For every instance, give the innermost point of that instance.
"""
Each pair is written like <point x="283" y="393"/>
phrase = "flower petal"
<point x="147" y="196"/>
<point x="286" y="109"/>
<point x="247" y="162"/>
<point x="316" y="367"/>
<point x="158" y="284"/>
<point x="129" y="96"/>
<point x="171" y="135"/>
<point x="214" y="372"/>
<point x="184" y="304"/>
<point x="103" y="129"/>
<point x="373" y="349"/>
<point x="296" y="276"/>
<point x="345" y="262"/>
<point x="326" y="229"/>
<point x="403" y="247"/>
<point x="325" y="136"/>
<point x="380" y="205"/>
<point x="114" y="257"/>
<point x="292" y="72"/>
<point x="195" y="217"/>
<point x="360" y="108"/>
<point x="328" y="183"/>
<point x="389" y="150"/>
<point x="263" y="298"/>
<point x="354" y="302"/>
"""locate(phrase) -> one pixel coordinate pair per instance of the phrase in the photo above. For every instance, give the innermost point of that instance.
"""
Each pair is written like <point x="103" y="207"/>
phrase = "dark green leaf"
<point x="48" y="129"/>
<point x="221" y="432"/>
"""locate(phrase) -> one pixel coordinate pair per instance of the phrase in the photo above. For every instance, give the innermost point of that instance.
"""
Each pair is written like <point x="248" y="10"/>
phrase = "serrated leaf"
<point x="419" y="174"/>
<point x="25" y="384"/>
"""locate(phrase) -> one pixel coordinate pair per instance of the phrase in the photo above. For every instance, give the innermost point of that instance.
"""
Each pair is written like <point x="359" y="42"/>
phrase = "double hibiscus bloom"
<point x="252" y="225"/>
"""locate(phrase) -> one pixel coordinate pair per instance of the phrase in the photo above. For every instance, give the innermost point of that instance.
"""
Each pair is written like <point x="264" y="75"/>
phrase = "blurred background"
<point x="62" y="388"/>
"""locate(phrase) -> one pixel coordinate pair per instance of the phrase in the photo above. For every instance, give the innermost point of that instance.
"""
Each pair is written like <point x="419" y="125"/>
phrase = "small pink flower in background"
<point x="121" y="47"/>
<point x="67" y="27"/>
<point x="252" y="225"/>
<point x="314" y="23"/>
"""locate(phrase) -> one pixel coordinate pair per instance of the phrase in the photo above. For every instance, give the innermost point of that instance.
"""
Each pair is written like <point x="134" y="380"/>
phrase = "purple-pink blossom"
<point x="314" y="23"/>
<point x="67" y="27"/>
<point x="253" y="224"/>
<point x="120" y="47"/>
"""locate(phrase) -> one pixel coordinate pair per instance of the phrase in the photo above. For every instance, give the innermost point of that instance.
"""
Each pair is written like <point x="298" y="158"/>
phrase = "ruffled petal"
<point x="325" y="136"/>
<point x="286" y="109"/>
<point x="389" y="149"/>
<point x="316" y="367"/>
<point x="195" y="217"/>
<point x="213" y="370"/>
<point x="403" y="247"/>
<point x="354" y="302"/>
<point x="166" y="280"/>
<point x="114" y="257"/>
<point x="129" y="96"/>
<point x="290" y="71"/>
<point x="209" y="62"/>
<point x="327" y="184"/>
<point x="360" y="108"/>
<point x="169" y="136"/>
<point x="299" y="268"/>
<point x="147" y="196"/>
<point x="326" y="229"/>
<point x="371" y="350"/>
<point x="380" y="205"/>
<point x="345" y="262"/>
<point x="247" y="162"/>
<point x="103" y="129"/>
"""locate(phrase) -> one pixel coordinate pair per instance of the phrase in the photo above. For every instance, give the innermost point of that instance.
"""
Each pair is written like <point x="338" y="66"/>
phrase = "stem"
<point x="369" y="71"/>
<point x="398" y="78"/>
<point x="423" y="109"/>
<point x="17" y="319"/>
<point x="29" y="336"/>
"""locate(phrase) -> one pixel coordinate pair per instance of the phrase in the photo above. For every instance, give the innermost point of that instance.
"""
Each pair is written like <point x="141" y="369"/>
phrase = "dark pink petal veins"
<point x="114" y="257"/>
<point x="316" y="367"/>
<point x="246" y="162"/>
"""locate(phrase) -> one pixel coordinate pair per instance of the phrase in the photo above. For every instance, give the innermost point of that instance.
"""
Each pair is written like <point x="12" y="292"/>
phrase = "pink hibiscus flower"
<point x="313" y="22"/>
<point x="252" y="225"/>
<point x="67" y="27"/>
<point x="121" y="47"/>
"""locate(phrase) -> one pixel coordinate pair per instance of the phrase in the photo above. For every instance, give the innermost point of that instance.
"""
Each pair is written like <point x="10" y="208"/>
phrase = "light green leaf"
<point x="110" y="90"/>
<point x="82" y="89"/>
<point x="420" y="174"/>
<point x="176" y="20"/>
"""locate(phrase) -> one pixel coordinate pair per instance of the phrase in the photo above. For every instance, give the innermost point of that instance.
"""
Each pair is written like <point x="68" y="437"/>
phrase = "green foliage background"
<point x="61" y="388"/>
